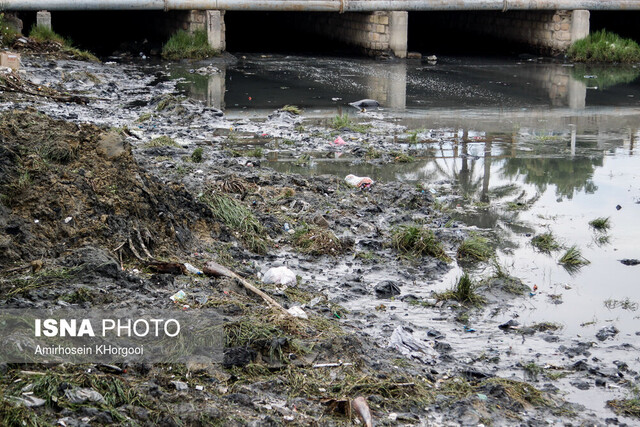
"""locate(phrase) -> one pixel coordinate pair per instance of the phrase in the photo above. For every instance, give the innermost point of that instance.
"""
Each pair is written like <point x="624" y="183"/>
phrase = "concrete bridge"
<point x="374" y="26"/>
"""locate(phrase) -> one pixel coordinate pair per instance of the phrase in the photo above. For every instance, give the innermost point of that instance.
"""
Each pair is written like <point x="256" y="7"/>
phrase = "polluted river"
<point x="517" y="174"/>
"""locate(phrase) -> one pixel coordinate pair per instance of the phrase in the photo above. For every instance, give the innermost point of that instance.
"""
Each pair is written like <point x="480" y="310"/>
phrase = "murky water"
<point x="531" y="146"/>
<point x="559" y="136"/>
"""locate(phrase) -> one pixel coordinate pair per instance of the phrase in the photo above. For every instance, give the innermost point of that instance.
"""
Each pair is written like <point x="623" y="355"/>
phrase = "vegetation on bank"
<point x="475" y="248"/>
<point x="183" y="45"/>
<point x="463" y="291"/>
<point x="603" y="46"/>
<point x="42" y="34"/>
<point x="413" y="240"/>
<point x="7" y="33"/>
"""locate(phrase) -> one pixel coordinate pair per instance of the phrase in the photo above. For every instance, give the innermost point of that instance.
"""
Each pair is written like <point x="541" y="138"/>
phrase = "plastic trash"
<point x="468" y="329"/>
<point x="365" y="103"/>
<point x="81" y="395"/>
<point x="191" y="269"/>
<point x="403" y="341"/>
<point x="362" y="182"/>
<point x="280" y="276"/>
<point x="339" y="141"/>
<point x="297" y="311"/>
<point x="178" y="297"/>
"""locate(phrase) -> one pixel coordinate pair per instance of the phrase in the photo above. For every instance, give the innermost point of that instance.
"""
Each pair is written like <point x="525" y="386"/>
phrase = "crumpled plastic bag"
<point x="280" y="276"/>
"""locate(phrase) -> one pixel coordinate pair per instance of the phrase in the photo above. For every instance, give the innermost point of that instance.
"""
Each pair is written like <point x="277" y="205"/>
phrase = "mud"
<point x="91" y="197"/>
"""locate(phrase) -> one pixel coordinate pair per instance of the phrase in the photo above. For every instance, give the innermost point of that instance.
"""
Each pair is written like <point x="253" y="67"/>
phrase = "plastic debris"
<point x="202" y="299"/>
<point x="297" y="311"/>
<point x="403" y="341"/>
<point x="191" y="269"/>
<point x="178" y="297"/>
<point x="339" y="141"/>
<point x="362" y="182"/>
<point x="365" y="103"/>
<point x="280" y="276"/>
<point x="81" y="395"/>
<point x="179" y="385"/>
<point x="468" y="329"/>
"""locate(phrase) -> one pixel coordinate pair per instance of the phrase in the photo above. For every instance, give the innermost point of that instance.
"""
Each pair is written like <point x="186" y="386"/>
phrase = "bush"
<point x="603" y="46"/>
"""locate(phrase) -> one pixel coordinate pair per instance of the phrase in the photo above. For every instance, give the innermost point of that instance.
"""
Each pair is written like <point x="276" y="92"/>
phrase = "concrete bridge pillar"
<point x="216" y="29"/>
<point x="398" y="29"/>
<point x="43" y="19"/>
<point x="579" y="24"/>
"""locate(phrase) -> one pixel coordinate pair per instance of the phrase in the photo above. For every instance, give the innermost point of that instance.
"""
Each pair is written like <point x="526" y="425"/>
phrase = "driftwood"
<point x="216" y="270"/>
<point x="12" y="82"/>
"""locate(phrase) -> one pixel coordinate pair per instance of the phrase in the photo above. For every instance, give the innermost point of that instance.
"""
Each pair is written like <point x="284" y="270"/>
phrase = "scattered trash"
<point x="468" y="329"/>
<point x="362" y="182"/>
<point x="81" y="395"/>
<point x="336" y="99"/>
<point x="339" y="141"/>
<point x="365" y="103"/>
<point x="403" y="341"/>
<point x="535" y="288"/>
<point x="628" y="261"/>
<point x="10" y="60"/>
<point x="199" y="387"/>
<point x="361" y="408"/>
<point x="432" y="58"/>
<point x="180" y="386"/>
<point x="110" y="369"/>
<point x="280" y="276"/>
<point x="191" y="269"/>
<point x="202" y="299"/>
<point x="297" y="311"/>
<point x="511" y="324"/>
<point x="28" y="400"/>
<point x="618" y="207"/>
<point x="68" y="219"/>
<point x="179" y="296"/>
<point x="590" y="77"/>
<point x="482" y="396"/>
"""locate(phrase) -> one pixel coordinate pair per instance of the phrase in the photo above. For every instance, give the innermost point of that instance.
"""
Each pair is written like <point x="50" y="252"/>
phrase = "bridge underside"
<point x="371" y="33"/>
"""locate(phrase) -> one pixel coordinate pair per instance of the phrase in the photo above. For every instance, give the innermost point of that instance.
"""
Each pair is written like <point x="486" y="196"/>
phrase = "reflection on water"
<point x="526" y="183"/>
<point x="269" y="82"/>
<point x="531" y="147"/>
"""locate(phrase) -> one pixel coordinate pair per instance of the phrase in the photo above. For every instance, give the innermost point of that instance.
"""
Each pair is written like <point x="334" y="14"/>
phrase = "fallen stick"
<point x="331" y="365"/>
<point x="214" y="269"/>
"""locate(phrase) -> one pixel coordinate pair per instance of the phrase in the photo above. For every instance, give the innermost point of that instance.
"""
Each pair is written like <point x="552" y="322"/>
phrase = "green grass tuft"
<point x="293" y="109"/>
<point x="603" y="46"/>
<point x="475" y="248"/>
<point x="162" y="141"/>
<point x="317" y="241"/>
<point x="573" y="259"/>
<point x="600" y="224"/>
<point x="464" y="291"/>
<point x="342" y="121"/>
<point x="417" y="241"/>
<point x="183" y="45"/>
<point x="240" y="219"/>
<point x="545" y="242"/>
<point x="44" y="34"/>
<point x="196" y="156"/>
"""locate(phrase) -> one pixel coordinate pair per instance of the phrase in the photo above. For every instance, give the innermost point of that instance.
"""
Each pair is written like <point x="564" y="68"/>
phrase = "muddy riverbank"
<point x="95" y="193"/>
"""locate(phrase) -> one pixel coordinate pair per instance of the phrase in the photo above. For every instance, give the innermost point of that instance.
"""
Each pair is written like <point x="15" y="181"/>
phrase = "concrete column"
<point x="43" y="19"/>
<point x="398" y="28"/>
<point x="216" y="30"/>
<point x="579" y="24"/>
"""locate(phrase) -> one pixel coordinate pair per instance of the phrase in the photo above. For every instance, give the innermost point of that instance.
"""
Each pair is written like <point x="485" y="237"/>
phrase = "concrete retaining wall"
<point x="549" y="32"/>
<point x="374" y="33"/>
